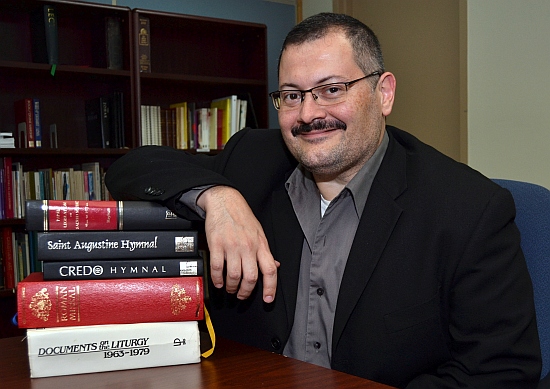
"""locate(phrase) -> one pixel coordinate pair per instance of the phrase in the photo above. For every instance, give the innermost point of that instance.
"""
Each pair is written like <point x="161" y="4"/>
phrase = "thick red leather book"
<point x="44" y="304"/>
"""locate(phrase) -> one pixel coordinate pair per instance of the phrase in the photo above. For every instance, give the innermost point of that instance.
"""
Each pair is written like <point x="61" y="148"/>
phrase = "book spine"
<point x="113" y="42"/>
<point x="78" y="350"/>
<point x="129" y="268"/>
<point x="37" y="123"/>
<point x="8" y="188"/>
<point x="71" y="245"/>
<point x="24" y="113"/>
<point x="60" y="215"/>
<point x="45" y="45"/>
<point x="66" y="303"/>
<point x="8" y="258"/>
<point x="144" y="45"/>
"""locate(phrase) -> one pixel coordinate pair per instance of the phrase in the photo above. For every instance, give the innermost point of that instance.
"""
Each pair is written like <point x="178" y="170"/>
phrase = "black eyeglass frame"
<point x="277" y="99"/>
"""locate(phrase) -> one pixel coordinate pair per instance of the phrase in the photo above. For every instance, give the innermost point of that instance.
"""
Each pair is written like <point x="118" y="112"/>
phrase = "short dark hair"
<point x="365" y="44"/>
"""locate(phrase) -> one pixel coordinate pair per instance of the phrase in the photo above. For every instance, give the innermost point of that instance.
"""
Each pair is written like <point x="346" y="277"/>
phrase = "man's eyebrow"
<point x="322" y="81"/>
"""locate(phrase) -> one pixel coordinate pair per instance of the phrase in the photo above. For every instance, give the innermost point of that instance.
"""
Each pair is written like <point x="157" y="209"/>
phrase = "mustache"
<point x="318" y="125"/>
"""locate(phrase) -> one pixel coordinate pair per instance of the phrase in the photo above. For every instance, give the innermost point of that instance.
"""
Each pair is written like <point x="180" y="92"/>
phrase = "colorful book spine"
<point x="66" y="303"/>
<point x="24" y="113"/>
<point x="89" y="349"/>
<point x="37" y="123"/>
<point x="67" y="215"/>
<point x="129" y="268"/>
<point x="8" y="188"/>
<point x="8" y="260"/>
<point x="80" y="245"/>
<point x="144" y="45"/>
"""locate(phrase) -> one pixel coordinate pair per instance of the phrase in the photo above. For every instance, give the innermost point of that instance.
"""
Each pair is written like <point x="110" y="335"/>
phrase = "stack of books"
<point x="121" y="288"/>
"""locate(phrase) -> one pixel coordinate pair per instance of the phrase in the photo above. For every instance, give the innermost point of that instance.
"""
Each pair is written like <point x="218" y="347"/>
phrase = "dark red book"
<point x="7" y="258"/>
<point x="118" y="301"/>
<point x="24" y="113"/>
<point x="8" y="188"/>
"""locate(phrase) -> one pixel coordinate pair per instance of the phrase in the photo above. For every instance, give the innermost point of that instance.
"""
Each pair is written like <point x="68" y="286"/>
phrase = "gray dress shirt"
<point x="327" y="243"/>
<point x="329" y="229"/>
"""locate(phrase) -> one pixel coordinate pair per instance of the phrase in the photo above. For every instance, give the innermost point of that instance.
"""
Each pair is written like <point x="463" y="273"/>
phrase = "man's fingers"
<point x="268" y="267"/>
<point x="217" y="263"/>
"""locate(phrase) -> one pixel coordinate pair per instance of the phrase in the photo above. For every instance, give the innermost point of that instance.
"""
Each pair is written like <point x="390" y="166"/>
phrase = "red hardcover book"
<point x="24" y="113"/>
<point x="118" y="301"/>
<point x="7" y="258"/>
<point x="8" y="188"/>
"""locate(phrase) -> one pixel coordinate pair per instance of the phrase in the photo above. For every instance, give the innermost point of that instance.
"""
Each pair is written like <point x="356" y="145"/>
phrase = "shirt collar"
<point x="300" y="184"/>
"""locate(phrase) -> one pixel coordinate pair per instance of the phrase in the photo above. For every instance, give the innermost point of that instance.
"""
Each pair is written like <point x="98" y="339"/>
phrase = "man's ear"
<point x="386" y="88"/>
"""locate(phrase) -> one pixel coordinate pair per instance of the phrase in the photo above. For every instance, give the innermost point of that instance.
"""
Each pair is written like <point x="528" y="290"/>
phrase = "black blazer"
<point x="435" y="292"/>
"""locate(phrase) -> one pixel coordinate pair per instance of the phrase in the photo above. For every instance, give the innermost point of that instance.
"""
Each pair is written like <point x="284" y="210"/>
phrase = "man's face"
<point x="331" y="152"/>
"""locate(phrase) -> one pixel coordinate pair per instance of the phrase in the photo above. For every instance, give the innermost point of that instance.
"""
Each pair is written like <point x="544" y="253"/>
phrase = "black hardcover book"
<point x="108" y="44"/>
<point x="124" y="268"/>
<point x="98" y="215"/>
<point x="98" y="122"/>
<point x="88" y="245"/>
<point x="45" y="40"/>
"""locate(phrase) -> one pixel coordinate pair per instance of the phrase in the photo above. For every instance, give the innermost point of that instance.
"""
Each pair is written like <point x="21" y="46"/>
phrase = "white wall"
<point x="509" y="89"/>
<point x="312" y="7"/>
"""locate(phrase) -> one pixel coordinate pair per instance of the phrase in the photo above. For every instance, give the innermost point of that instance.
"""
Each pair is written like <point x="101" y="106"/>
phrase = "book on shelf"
<point x="98" y="122"/>
<point x="108" y="47"/>
<point x="151" y="127"/>
<point x="124" y="268"/>
<point x="8" y="210"/>
<point x="80" y="245"/>
<point x="144" y="45"/>
<point x="229" y="107"/>
<point x="168" y="127"/>
<point x="8" y="260"/>
<point x="89" y="349"/>
<point x="182" y="125"/>
<point x="7" y="141"/>
<point x="24" y="120"/>
<point x="60" y="215"/>
<point x="37" y="124"/>
<point x="64" y="303"/>
<point x="45" y="40"/>
<point x="116" y="120"/>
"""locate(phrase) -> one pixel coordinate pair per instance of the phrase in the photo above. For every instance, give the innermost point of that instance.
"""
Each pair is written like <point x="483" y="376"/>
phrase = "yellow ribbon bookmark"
<point x="211" y="332"/>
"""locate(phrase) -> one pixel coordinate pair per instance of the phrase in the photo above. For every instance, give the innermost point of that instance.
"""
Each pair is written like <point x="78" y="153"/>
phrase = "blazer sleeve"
<point x="492" y="317"/>
<point x="253" y="161"/>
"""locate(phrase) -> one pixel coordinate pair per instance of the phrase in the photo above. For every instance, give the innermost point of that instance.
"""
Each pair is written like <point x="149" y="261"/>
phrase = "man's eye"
<point x="333" y="90"/>
<point x="291" y="96"/>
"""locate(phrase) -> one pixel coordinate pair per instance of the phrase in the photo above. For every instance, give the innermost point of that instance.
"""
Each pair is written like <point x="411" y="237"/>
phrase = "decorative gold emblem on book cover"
<point x="41" y="305"/>
<point x="179" y="299"/>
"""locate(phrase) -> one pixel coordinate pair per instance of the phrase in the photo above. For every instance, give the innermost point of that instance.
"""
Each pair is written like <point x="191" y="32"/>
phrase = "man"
<point x="378" y="256"/>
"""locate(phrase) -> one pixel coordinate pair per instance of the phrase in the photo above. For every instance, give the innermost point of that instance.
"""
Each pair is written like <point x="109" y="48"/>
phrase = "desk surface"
<point x="232" y="365"/>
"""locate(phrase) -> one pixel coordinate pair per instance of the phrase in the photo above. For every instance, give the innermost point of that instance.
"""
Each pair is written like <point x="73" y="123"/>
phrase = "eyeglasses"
<point x="327" y="94"/>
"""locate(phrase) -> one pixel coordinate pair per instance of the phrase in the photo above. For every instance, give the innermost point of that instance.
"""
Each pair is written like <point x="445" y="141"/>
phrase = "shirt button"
<point x="275" y="343"/>
<point x="320" y="291"/>
<point x="316" y="345"/>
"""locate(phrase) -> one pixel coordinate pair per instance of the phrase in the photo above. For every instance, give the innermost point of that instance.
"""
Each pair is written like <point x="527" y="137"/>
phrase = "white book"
<point x="88" y="349"/>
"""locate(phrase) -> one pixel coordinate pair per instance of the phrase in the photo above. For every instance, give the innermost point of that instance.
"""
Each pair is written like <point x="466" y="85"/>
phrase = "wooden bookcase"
<point x="195" y="59"/>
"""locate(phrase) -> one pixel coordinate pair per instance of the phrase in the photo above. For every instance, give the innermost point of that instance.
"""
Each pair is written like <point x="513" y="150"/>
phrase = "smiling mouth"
<point x="320" y="125"/>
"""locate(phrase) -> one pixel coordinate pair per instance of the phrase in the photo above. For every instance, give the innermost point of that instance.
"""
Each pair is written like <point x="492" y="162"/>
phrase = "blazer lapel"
<point x="379" y="217"/>
<point x="287" y="248"/>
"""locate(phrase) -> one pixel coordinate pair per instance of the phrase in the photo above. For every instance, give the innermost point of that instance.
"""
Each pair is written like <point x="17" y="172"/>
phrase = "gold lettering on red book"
<point x="68" y="303"/>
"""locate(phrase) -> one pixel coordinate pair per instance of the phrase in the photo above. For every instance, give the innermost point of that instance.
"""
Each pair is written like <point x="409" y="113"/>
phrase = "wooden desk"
<point x="232" y="365"/>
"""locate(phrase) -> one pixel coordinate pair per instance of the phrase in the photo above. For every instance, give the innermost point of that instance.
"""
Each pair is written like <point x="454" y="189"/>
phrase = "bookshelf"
<point x="193" y="59"/>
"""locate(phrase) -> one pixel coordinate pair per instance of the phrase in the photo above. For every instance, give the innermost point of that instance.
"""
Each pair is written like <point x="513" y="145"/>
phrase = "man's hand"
<point x="235" y="236"/>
